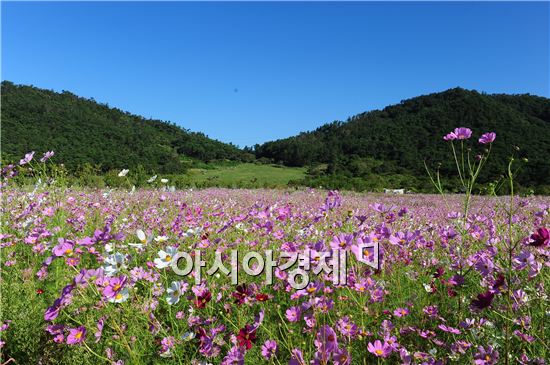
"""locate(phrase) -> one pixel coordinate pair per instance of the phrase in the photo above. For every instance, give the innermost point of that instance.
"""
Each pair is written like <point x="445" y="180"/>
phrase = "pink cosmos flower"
<point x="379" y="349"/>
<point x="487" y="138"/>
<point x="28" y="157"/>
<point x="400" y="312"/>
<point x="269" y="349"/>
<point x="341" y="357"/>
<point x="293" y="314"/>
<point x="115" y="286"/>
<point x="326" y="341"/>
<point x="449" y="137"/>
<point x="64" y="248"/>
<point x="47" y="156"/>
<point x="458" y="133"/>
<point x="76" y="335"/>
<point x="463" y="133"/>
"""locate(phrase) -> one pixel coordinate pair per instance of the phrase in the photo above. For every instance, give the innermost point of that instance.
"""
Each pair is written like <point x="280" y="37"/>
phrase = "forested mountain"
<point x="381" y="148"/>
<point x="399" y="138"/>
<point x="82" y="131"/>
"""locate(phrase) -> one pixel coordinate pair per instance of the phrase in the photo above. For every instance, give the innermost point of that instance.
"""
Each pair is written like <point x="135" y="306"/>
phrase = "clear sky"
<point x="251" y="72"/>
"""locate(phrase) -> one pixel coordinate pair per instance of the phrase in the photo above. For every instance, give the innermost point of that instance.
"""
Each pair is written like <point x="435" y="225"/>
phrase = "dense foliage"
<point x="390" y="146"/>
<point x="83" y="131"/>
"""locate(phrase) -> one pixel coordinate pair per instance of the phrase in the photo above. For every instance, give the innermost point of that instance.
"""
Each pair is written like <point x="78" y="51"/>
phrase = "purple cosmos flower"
<point x="400" y="312"/>
<point x="463" y="133"/>
<point x="167" y="343"/>
<point x="449" y="329"/>
<point x="28" y="157"/>
<point x="379" y="349"/>
<point x="64" y="248"/>
<point x="296" y="358"/>
<point x="486" y="356"/>
<point x="47" y="156"/>
<point x="76" y="335"/>
<point x="458" y="133"/>
<point x="53" y="311"/>
<point x="326" y="340"/>
<point x="487" y="138"/>
<point x="99" y="332"/>
<point x="541" y="237"/>
<point x="341" y="357"/>
<point x="523" y="336"/>
<point x="114" y="287"/>
<point x="235" y="356"/>
<point x="269" y="349"/>
<point x="449" y="137"/>
<point x="347" y="327"/>
<point x="293" y="314"/>
<point x="460" y="347"/>
<point x="483" y="300"/>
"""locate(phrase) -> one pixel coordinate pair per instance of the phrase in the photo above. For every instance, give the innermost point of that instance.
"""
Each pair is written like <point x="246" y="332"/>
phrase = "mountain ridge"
<point x="391" y="142"/>
<point x="40" y="119"/>
<point x="399" y="138"/>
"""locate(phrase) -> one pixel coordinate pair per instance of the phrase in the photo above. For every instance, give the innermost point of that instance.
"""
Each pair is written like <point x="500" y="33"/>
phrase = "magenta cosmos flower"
<point x="459" y="133"/>
<point x="115" y="286"/>
<point x="541" y="237"/>
<point x="379" y="349"/>
<point x="76" y="335"/>
<point x="487" y="138"/>
<point x="483" y="300"/>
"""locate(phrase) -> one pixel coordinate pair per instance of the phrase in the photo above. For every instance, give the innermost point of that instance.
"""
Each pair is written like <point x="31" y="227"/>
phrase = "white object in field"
<point x="394" y="191"/>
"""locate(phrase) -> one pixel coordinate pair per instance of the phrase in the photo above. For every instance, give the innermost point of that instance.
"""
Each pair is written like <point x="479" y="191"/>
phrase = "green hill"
<point x="397" y="140"/>
<point x="381" y="148"/>
<point x="82" y="131"/>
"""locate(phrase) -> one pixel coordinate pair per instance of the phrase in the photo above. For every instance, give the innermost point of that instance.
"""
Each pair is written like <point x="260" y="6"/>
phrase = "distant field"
<point x="246" y="175"/>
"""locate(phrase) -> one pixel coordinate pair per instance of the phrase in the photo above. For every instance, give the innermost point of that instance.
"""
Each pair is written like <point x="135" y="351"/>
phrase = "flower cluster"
<point x="96" y="269"/>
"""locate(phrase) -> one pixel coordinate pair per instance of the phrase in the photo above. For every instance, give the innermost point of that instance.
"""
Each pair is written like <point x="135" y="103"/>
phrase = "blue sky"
<point x="251" y="72"/>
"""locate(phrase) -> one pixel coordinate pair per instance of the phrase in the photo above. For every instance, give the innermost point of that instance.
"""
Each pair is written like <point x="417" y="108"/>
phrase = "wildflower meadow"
<point x="103" y="276"/>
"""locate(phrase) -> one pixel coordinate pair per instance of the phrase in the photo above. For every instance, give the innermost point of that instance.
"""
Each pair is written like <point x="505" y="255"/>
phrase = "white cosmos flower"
<point x="164" y="258"/>
<point x="143" y="239"/>
<point x="191" y="232"/>
<point x="141" y="236"/>
<point x="176" y="289"/>
<point x="123" y="173"/>
<point x="153" y="178"/>
<point x="188" y="336"/>
<point x="161" y="239"/>
<point x="114" y="263"/>
<point x="121" y="296"/>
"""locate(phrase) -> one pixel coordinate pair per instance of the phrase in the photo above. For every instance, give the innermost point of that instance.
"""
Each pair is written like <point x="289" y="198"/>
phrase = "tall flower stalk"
<point x="468" y="171"/>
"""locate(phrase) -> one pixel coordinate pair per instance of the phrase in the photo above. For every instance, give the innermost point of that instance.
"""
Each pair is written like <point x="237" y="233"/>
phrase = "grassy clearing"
<point x="246" y="175"/>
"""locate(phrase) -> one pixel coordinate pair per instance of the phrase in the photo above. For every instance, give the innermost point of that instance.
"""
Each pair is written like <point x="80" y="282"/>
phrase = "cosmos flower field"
<point x="74" y="289"/>
<point x="87" y="277"/>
